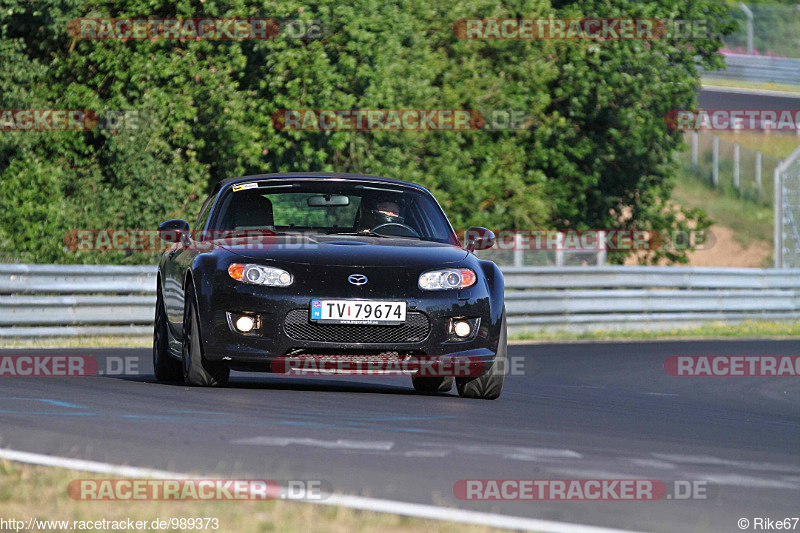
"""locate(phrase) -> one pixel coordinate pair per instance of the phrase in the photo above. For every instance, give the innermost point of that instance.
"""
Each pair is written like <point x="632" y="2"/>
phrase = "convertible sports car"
<point x="347" y="267"/>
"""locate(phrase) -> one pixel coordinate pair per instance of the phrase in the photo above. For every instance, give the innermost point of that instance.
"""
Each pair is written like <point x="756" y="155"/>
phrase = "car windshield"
<point x="381" y="210"/>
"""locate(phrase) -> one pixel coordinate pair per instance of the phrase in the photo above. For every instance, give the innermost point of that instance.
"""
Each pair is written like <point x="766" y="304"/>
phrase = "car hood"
<point x="349" y="250"/>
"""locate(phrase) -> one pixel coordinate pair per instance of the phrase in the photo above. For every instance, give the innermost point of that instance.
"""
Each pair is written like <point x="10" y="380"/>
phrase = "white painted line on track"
<point x="717" y="461"/>
<point x="87" y="466"/>
<point x="417" y="510"/>
<point x="653" y="463"/>
<point x="736" y="480"/>
<point x="341" y="444"/>
<point x="465" y="517"/>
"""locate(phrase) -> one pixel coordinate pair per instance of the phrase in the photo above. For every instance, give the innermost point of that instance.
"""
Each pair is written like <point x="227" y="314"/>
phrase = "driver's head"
<point x="390" y="209"/>
<point x="384" y="212"/>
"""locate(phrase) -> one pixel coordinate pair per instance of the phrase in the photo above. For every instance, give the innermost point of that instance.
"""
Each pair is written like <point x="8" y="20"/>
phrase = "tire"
<point x="165" y="367"/>
<point x="197" y="371"/>
<point x="489" y="385"/>
<point x="432" y="384"/>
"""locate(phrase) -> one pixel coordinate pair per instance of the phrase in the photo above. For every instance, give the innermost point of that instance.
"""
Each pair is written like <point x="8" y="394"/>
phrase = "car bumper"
<point x="278" y="337"/>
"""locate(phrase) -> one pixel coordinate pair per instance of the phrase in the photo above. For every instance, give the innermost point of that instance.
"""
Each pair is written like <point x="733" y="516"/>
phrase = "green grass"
<point x="763" y="86"/>
<point x="715" y="330"/>
<point x="751" y="221"/>
<point x="41" y="492"/>
<point x="79" y="342"/>
<point x="776" y="144"/>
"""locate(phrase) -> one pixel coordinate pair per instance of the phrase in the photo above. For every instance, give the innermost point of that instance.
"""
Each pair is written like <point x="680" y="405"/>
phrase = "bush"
<point x="595" y="154"/>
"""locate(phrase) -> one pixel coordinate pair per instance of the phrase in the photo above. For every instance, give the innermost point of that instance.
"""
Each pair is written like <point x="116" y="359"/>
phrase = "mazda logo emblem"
<point x="357" y="279"/>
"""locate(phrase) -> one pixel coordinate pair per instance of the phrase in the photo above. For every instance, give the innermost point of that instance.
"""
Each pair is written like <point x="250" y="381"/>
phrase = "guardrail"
<point x="69" y="300"/>
<point x="53" y="300"/>
<point x="579" y="299"/>
<point x="758" y="68"/>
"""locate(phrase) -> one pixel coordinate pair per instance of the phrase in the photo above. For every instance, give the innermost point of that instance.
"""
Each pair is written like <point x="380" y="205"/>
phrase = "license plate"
<point x="363" y="312"/>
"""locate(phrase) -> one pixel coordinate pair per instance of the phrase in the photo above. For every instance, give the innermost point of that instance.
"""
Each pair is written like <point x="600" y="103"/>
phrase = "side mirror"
<point x="173" y="231"/>
<point x="478" y="238"/>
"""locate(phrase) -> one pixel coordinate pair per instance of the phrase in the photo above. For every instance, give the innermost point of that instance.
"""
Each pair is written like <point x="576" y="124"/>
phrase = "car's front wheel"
<point x="165" y="367"/>
<point x="196" y="370"/>
<point x="489" y="385"/>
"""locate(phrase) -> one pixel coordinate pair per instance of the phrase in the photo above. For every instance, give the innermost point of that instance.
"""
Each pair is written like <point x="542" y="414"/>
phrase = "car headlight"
<point x="449" y="278"/>
<point x="260" y="275"/>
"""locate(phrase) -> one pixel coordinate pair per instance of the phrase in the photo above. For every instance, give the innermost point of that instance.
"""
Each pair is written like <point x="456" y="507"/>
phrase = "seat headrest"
<point x="251" y="210"/>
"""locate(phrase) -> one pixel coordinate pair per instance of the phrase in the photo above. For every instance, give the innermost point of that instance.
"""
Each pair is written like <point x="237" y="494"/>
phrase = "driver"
<point x="389" y="209"/>
<point x="386" y="212"/>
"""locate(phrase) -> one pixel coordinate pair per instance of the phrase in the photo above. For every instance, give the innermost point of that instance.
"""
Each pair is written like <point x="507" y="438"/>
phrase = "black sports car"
<point x="344" y="267"/>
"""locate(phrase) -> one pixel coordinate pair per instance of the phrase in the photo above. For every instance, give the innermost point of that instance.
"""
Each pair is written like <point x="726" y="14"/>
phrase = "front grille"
<point x="356" y="353"/>
<point x="297" y="326"/>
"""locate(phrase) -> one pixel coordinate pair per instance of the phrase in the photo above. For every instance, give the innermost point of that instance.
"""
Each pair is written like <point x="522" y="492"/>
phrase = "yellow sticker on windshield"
<point x="244" y="187"/>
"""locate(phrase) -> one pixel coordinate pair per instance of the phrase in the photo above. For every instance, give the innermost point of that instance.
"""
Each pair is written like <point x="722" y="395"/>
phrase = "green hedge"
<point x="596" y="152"/>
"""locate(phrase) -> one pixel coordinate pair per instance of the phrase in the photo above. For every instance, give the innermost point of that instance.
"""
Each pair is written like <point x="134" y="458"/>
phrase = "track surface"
<point x="709" y="98"/>
<point x="579" y="411"/>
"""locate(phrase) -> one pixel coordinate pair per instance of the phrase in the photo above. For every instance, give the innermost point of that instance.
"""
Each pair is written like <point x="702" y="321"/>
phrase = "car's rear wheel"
<point x="165" y="367"/>
<point x="196" y="370"/>
<point x="488" y="385"/>
<point x="432" y="384"/>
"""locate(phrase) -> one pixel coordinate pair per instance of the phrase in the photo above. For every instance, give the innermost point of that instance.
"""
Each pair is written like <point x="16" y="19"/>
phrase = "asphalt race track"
<point x="595" y="410"/>
<point x="731" y="98"/>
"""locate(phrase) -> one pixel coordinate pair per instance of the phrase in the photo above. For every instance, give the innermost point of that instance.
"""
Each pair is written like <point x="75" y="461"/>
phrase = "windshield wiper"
<point x="372" y="234"/>
<point x="358" y="233"/>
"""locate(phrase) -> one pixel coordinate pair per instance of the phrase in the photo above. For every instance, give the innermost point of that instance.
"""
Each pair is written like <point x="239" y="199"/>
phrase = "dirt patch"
<point x="728" y="252"/>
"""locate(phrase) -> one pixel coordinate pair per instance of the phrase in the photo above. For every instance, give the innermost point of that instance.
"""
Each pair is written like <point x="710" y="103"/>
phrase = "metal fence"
<point x="787" y="212"/>
<point x="765" y="29"/>
<point x="562" y="256"/>
<point x="765" y="45"/>
<point x="69" y="300"/>
<point x="65" y="300"/>
<point x="580" y="299"/>
<point x="730" y="166"/>
<point x="758" y="69"/>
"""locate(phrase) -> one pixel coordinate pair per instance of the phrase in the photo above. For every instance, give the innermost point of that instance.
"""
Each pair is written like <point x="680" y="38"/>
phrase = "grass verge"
<point x="714" y="330"/>
<point x="749" y="220"/>
<point x="762" y="86"/>
<point x="78" y="342"/>
<point x="28" y="491"/>
<point x="777" y="143"/>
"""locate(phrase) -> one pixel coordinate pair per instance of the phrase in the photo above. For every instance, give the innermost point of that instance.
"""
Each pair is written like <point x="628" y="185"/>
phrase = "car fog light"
<point x="462" y="328"/>
<point x="245" y="324"/>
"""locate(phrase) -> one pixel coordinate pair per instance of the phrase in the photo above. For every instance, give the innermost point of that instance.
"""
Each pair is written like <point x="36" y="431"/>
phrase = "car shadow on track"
<point x="390" y="385"/>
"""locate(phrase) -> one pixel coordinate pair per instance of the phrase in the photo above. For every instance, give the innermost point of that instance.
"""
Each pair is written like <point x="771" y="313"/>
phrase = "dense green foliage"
<point x="596" y="153"/>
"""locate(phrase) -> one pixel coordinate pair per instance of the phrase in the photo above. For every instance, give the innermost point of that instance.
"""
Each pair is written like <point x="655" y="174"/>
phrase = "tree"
<point x="595" y="152"/>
